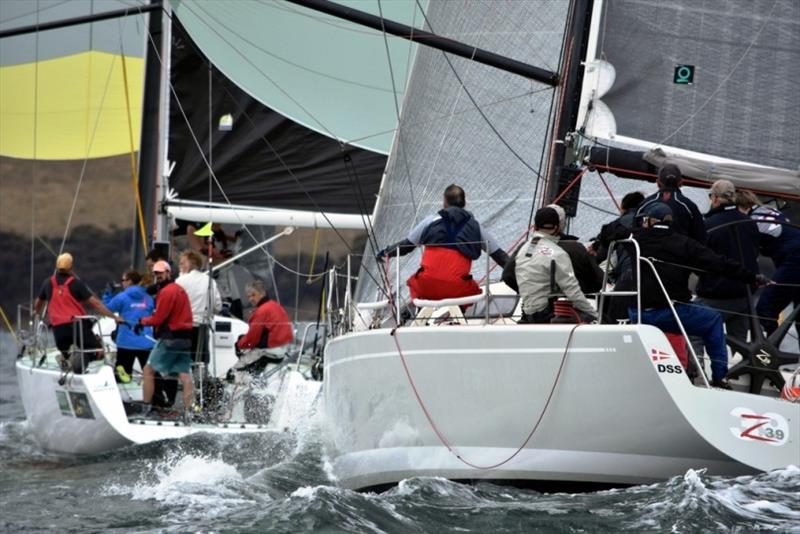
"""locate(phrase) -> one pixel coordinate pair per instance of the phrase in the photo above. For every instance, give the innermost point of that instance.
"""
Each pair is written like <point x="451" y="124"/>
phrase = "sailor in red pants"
<point x="453" y="238"/>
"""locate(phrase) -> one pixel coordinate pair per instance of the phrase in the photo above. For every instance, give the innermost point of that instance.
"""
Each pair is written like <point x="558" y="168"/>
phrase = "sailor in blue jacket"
<point x="131" y="304"/>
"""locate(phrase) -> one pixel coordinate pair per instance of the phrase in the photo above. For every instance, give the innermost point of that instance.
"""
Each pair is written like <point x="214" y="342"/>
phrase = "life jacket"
<point x="456" y="229"/>
<point x="63" y="305"/>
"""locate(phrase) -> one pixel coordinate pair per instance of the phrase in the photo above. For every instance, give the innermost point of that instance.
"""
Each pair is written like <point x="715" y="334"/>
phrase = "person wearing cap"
<point x="538" y="263"/>
<point x="202" y="292"/>
<point x="453" y="239"/>
<point x="675" y="256"/>
<point x="172" y="324"/>
<point x="65" y="295"/>
<point x="734" y="235"/>
<point x="686" y="217"/>
<point x="588" y="273"/>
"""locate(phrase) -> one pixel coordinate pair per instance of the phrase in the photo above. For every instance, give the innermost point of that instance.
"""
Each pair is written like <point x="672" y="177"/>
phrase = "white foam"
<point x="199" y="485"/>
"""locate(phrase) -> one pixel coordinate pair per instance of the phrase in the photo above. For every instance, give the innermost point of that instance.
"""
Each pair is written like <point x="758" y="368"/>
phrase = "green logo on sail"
<point x="684" y="74"/>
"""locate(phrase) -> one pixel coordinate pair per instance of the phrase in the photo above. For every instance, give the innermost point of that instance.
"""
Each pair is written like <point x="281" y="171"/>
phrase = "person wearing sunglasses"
<point x="132" y="303"/>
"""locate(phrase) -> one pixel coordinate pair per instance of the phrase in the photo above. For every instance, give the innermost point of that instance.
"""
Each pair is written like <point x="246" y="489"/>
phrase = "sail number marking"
<point x="770" y="428"/>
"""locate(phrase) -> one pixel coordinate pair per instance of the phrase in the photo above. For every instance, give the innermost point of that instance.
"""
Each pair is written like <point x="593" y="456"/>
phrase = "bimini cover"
<point x="62" y="92"/>
<point x="716" y="78"/>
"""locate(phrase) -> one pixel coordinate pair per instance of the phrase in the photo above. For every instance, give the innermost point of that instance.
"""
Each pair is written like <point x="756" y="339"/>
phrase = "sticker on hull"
<point x="769" y="428"/>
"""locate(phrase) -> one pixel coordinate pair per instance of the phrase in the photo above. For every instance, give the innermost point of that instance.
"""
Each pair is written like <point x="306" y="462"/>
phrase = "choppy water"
<point x="280" y="483"/>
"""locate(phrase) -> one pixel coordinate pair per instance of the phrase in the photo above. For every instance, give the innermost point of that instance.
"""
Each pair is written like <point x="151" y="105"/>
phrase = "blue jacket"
<point x="456" y="229"/>
<point x="132" y="304"/>
<point x="742" y="248"/>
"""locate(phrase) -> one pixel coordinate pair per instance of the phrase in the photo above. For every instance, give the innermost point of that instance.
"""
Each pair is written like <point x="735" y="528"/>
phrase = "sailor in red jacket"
<point x="172" y="324"/>
<point x="66" y="295"/>
<point x="269" y="330"/>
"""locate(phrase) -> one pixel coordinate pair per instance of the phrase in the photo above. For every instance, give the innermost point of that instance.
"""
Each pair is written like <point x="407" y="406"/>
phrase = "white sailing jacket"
<point x="195" y="283"/>
<point x="533" y="275"/>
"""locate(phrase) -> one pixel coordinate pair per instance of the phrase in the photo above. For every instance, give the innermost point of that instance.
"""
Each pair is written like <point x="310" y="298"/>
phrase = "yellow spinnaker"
<point x="70" y="97"/>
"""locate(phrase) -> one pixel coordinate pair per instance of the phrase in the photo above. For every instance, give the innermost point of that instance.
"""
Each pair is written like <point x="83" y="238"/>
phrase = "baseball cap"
<point x="658" y="211"/>
<point x="546" y="218"/>
<point x="64" y="262"/>
<point x="161" y="267"/>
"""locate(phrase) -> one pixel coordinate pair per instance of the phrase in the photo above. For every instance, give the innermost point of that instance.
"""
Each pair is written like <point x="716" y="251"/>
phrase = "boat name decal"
<point x="669" y="369"/>
<point x="770" y="428"/>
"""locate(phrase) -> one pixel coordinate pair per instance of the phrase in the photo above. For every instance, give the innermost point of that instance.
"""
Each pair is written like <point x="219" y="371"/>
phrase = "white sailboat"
<point x="481" y="398"/>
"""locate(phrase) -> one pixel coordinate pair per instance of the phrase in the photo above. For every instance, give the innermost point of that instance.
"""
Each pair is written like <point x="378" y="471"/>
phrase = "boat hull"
<point x="85" y="415"/>
<point x="471" y="402"/>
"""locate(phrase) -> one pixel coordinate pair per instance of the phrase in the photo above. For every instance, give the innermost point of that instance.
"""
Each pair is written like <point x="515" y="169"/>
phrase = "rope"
<point x="8" y="324"/>
<point x="88" y="149"/>
<point x="134" y="173"/>
<point x="443" y="439"/>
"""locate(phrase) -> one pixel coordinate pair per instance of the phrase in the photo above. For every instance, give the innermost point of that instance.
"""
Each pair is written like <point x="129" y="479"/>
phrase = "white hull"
<point x="61" y="422"/>
<point x="615" y="416"/>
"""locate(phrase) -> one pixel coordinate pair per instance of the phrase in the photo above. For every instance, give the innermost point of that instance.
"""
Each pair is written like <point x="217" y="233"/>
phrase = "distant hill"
<point x="40" y="195"/>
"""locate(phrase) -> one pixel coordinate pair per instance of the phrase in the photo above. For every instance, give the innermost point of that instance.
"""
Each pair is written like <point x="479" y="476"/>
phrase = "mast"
<point x="572" y="70"/>
<point x="153" y="118"/>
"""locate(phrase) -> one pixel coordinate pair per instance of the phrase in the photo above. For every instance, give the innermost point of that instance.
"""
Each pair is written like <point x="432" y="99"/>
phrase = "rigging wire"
<point x="287" y="94"/>
<point x="88" y="150"/>
<point x="35" y="159"/>
<point x="134" y="173"/>
<point x="478" y="108"/>
<point x="216" y="181"/>
<point x="397" y="108"/>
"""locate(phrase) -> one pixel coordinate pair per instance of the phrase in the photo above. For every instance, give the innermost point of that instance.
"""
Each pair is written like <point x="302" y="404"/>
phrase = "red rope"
<point x="443" y="438"/>
<point x="569" y="186"/>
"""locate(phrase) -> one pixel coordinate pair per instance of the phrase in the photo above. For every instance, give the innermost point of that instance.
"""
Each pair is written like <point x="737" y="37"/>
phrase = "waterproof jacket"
<point x="675" y="256"/>
<point x="269" y="327"/>
<point x="173" y="314"/>
<point x="537" y="263"/>
<point x="686" y="217"/>
<point x="132" y="304"/>
<point x="454" y="228"/>
<point x="589" y="274"/>
<point x="738" y="241"/>
<point x="780" y="242"/>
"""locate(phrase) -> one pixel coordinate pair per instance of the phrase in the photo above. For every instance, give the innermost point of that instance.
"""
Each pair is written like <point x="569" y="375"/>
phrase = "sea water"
<point x="281" y="482"/>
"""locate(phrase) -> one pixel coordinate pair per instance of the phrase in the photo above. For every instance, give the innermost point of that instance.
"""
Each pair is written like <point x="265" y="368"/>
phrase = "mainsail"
<point x="710" y="85"/>
<point x="472" y="125"/>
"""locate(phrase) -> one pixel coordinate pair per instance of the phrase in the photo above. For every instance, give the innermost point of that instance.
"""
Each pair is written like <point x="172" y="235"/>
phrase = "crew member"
<point x="132" y="303"/>
<point x="453" y="238"/>
<point x="675" y="256"/>
<point x="65" y="295"/>
<point x="686" y="217"/>
<point x="734" y="235"/>
<point x="588" y="273"/>
<point x="269" y="328"/>
<point x="540" y="261"/>
<point x="172" y="323"/>
<point x="204" y="298"/>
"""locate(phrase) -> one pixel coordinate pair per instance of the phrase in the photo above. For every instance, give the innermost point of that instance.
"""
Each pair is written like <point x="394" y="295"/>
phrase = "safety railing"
<point x="637" y="262"/>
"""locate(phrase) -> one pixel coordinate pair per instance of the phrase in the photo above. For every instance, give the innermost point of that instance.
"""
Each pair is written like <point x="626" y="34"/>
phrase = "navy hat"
<point x="670" y="175"/>
<point x="546" y="219"/>
<point x="658" y="211"/>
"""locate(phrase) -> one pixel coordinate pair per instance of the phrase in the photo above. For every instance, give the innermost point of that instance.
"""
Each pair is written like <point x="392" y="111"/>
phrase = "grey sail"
<point x="443" y="139"/>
